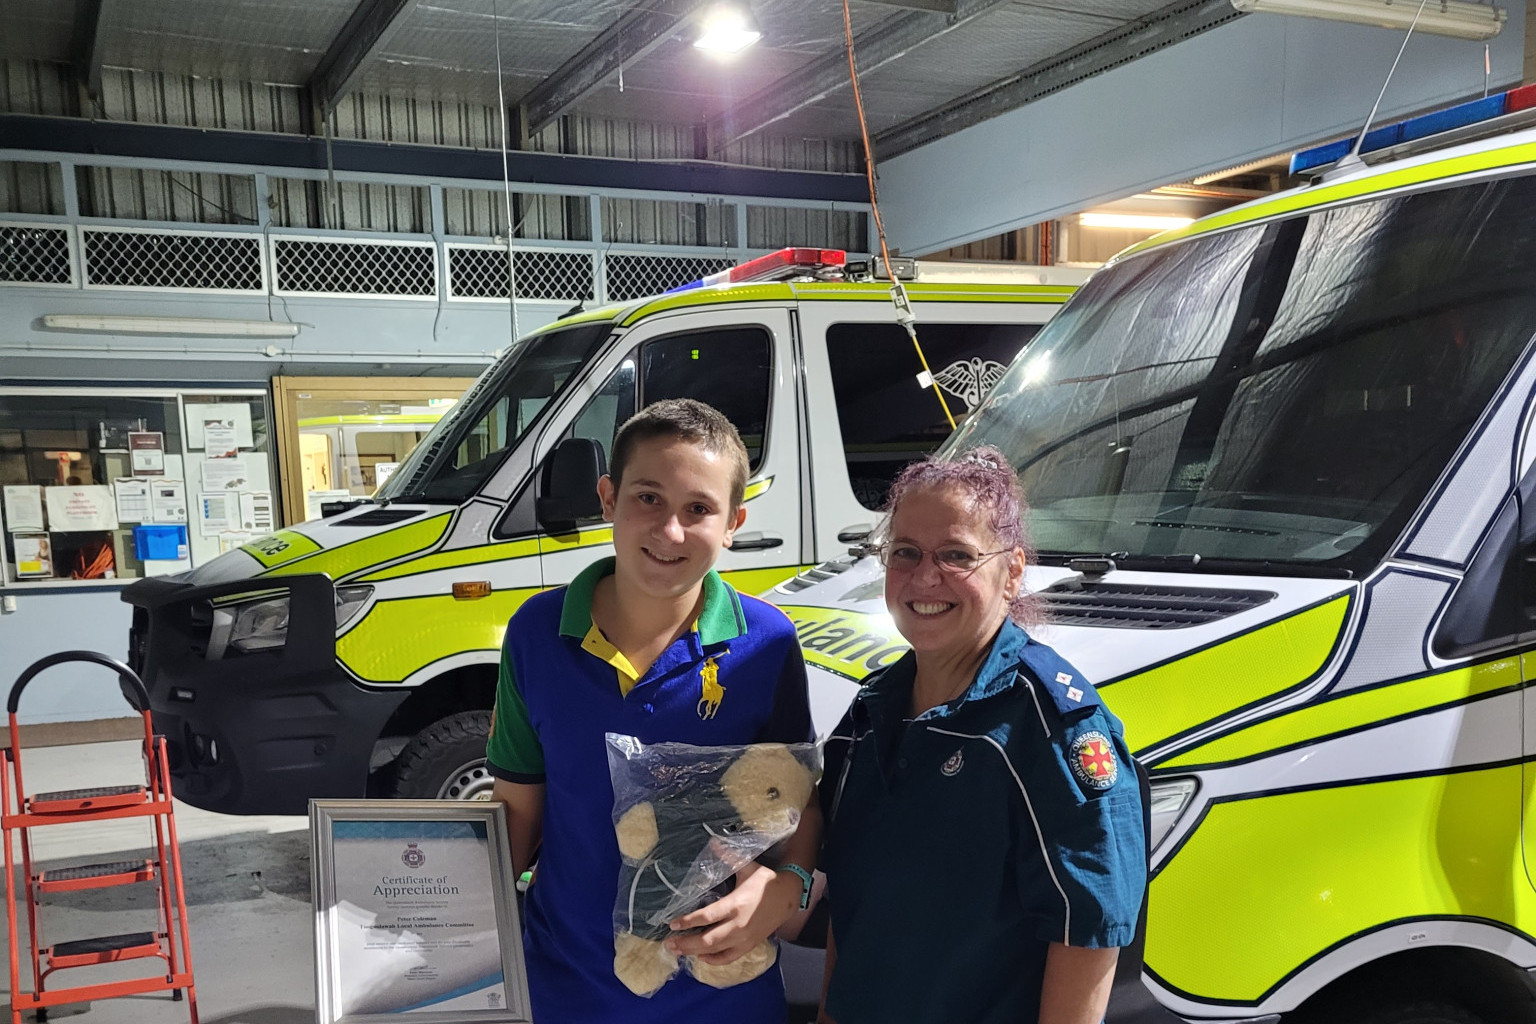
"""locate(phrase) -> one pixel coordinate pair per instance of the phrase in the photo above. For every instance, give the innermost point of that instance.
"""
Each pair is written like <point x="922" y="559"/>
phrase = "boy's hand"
<point x="762" y="900"/>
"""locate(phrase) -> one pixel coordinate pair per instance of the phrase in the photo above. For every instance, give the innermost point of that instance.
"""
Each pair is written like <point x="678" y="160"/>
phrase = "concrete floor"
<point x="248" y="901"/>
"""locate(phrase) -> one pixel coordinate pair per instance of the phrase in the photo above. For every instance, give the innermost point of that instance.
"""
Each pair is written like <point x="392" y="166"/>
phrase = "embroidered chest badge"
<point x="711" y="693"/>
<point x="949" y="769"/>
<point x="1093" y="760"/>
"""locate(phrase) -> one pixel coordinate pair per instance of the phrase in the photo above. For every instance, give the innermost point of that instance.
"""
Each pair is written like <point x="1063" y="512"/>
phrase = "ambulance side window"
<point x="888" y="419"/>
<point x="600" y="419"/>
<point x="731" y="369"/>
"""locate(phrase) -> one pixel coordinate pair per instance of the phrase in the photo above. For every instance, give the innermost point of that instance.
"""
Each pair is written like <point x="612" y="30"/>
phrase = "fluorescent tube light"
<point x="169" y="325"/>
<point x="727" y="28"/>
<point x="1456" y="18"/>
<point x="1137" y="221"/>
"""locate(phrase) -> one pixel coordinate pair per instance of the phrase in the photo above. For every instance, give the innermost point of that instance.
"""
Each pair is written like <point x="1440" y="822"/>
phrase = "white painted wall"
<point x="1262" y="85"/>
<point x="48" y="621"/>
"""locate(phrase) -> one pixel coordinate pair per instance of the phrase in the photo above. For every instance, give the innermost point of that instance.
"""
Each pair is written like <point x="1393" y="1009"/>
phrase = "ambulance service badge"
<point x="1093" y="760"/>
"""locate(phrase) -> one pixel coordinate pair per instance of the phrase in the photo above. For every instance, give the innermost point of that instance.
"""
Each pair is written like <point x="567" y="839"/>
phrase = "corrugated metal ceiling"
<point x="446" y="49"/>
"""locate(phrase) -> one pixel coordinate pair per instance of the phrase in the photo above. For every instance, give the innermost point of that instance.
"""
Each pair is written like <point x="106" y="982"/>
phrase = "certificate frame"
<point x="386" y="822"/>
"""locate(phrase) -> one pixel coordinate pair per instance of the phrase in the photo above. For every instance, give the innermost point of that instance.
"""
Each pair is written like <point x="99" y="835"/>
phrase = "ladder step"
<point x="104" y="949"/>
<point x="94" y="798"/>
<point x="92" y="876"/>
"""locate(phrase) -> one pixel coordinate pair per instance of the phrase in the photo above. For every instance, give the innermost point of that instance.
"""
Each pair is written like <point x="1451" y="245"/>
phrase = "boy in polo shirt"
<point x="651" y="643"/>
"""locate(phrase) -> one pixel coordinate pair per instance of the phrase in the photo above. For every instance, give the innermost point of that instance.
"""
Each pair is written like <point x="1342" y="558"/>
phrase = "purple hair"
<point x="996" y="498"/>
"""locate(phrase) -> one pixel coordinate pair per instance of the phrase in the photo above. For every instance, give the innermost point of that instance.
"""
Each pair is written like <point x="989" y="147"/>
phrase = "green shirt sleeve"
<point x="513" y="751"/>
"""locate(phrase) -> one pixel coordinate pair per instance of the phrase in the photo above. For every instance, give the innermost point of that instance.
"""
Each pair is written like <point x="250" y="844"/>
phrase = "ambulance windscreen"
<point x="1284" y="393"/>
<point x="468" y="445"/>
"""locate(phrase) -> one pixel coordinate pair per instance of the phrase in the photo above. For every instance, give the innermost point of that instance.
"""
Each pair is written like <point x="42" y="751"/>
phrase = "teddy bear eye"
<point x="773" y="792"/>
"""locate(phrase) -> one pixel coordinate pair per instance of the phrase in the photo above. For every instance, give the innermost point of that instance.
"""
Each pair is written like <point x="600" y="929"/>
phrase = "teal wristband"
<point x="805" y="883"/>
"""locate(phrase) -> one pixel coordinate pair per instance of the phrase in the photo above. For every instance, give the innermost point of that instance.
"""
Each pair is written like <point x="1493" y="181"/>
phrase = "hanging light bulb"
<point x="727" y="28"/>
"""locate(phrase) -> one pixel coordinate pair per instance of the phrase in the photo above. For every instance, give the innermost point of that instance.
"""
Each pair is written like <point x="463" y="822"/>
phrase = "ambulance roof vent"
<point x="380" y="517"/>
<point x="817" y="574"/>
<point x="1130" y="606"/>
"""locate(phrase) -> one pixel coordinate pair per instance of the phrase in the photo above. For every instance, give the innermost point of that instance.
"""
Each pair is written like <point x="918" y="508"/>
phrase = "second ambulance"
<point x="1282" y="466"/>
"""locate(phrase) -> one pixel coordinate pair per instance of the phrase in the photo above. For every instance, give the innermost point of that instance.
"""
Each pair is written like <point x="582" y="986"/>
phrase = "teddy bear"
<point x="707" y="811"/>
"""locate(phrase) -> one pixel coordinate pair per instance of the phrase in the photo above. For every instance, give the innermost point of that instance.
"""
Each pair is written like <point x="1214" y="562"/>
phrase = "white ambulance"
<point x="358" y="654"/>
<point x="1282" y="466"/>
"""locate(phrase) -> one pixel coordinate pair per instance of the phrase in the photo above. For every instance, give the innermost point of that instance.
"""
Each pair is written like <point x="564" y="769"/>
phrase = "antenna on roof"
<point x="1352" y="158"/>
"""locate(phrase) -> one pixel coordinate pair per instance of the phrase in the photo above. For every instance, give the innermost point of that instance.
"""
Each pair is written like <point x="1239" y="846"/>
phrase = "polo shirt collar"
<point x="721" y="618"/>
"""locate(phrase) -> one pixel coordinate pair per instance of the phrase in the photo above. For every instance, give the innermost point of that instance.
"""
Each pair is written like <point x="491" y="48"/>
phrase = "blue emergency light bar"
<point x="784" y="265"/>
<point x="1421" y="127"/>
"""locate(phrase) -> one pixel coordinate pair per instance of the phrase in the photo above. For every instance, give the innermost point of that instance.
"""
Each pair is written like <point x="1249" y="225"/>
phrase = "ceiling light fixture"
<point x="1456" y="18"/>
<point x="727" y="28"/>
<point x="1135" y="221"/>
<point x="208" y="326"/>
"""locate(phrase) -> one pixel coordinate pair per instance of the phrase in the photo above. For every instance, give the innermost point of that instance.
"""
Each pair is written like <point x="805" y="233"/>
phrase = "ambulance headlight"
<point x="263" y="625"/>
<point x="1169" y="799"/>
<point x="259" y="625"/>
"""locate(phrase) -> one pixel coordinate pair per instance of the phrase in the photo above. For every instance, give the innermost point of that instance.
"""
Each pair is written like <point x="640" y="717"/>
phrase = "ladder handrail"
<point x="128" y="680"/>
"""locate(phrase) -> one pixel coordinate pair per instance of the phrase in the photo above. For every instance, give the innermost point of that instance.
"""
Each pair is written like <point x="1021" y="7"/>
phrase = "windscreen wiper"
<point x="1098" y="564"/>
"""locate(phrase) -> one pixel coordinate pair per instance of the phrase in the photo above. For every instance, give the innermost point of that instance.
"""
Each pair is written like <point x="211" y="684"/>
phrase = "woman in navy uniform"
<point x="985" y="848"/>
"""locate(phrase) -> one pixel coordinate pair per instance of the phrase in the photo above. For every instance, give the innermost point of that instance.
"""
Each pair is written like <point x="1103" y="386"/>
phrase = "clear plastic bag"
<point x="687" y="818"/>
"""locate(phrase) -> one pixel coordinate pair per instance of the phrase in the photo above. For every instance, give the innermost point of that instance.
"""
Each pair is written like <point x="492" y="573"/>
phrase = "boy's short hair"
<point x="683" y="419"/>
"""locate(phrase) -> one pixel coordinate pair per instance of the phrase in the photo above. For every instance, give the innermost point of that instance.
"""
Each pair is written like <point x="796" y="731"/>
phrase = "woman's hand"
<point x="741" y="919"/>
<point x="1077" y="983"/>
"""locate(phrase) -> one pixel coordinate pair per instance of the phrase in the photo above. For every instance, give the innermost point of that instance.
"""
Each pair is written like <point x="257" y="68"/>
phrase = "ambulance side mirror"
<point x="568" y="490"/>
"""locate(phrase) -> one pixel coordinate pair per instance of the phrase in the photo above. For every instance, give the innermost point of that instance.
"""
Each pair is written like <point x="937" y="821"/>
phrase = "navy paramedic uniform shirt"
<point x="960" y="844"/>
<point x="554" y="702"/>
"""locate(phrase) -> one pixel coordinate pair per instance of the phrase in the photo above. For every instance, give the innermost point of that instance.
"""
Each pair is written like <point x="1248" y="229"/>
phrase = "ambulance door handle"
<point x="755" y="541"/>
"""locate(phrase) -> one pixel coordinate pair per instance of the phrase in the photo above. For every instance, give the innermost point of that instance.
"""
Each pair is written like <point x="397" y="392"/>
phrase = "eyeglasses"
<point x="958" y="559"/>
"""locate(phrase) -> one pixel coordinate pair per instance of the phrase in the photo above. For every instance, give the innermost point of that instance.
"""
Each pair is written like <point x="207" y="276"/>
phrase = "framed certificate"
<point x="415" y="913"/>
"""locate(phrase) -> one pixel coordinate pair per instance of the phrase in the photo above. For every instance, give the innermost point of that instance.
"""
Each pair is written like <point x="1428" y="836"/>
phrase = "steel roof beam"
<point x="365" y="33"/>
<point x="638" y="31"/>
<point x="1136" y="39"/>
<point x="828" y="74"/>
<point x="85" y="46"/>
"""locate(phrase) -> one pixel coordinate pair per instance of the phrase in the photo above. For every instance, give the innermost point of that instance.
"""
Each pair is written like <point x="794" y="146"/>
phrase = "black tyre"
<point x="1428" y="1012"/>
<point x="446" y="760"/>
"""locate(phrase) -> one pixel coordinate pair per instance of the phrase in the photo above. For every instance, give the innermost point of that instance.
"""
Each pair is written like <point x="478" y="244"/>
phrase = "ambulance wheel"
<point x="1419" y="1013"/>
<point x="446" y="760"/>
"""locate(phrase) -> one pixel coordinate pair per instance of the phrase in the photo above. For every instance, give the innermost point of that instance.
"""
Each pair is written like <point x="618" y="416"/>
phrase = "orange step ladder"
<point x="20" y="814"/>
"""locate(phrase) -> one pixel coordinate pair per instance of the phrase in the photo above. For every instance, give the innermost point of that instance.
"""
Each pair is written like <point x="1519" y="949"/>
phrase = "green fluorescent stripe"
<point x="1264" y="885"/>
<point x="1352" y="710"/>
<point x="849" y="291"/>
<point x="1302" y="199"/>
<point x="774" y="292"/>
<point x="371" y="550"/>
<point x="455" y="559"/>
<point x="1208" y="684"/>
<point x="277" y="548"/>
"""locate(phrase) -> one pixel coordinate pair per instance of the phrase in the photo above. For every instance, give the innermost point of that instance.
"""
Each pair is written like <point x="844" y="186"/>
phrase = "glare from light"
<point x="1035" y="369"/>
<point x="727" y="29"/>
<point x="1137" y="221"/>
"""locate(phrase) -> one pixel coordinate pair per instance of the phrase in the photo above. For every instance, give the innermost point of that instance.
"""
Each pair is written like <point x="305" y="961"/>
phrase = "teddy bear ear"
<point x="636" y="831"/>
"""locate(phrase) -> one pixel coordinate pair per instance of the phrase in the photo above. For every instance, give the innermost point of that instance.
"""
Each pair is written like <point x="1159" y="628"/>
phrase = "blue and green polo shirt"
<point x="563" y="687"/>
<point x="959" y="844"/>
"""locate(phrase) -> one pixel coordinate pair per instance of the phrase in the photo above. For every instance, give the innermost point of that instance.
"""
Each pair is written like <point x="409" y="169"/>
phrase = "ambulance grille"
<point x="1126" y="606"/>
<point x="380" y="517"/>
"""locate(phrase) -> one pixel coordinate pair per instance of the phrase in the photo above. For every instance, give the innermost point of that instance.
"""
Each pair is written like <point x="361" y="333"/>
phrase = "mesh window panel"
<point x="634" y="277"/>
<point x="354" y="268"/>
<point x="34" y="255"/>
<point x="482" y="274"/>
<point x="146" y="259"/>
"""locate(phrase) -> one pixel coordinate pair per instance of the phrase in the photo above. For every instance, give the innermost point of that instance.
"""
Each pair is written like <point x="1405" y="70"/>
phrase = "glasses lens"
<point x="957" y="559"/>
<point x="901" y="556"/>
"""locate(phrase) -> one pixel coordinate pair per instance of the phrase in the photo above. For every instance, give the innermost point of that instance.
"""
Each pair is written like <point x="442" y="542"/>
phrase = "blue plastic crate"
<point x="160" y="541"/>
